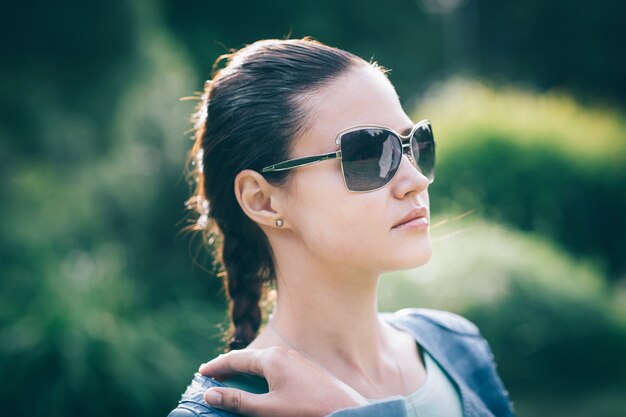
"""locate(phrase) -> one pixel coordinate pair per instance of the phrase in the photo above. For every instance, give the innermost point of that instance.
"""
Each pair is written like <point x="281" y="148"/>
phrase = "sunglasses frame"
<point x="405" y="142"/>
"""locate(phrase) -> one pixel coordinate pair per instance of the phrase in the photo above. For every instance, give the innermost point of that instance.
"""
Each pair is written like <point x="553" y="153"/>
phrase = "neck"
<point x="329" y="313"/>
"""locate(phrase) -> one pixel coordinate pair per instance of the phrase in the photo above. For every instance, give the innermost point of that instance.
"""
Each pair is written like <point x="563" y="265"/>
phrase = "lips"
<point x="415" y="213"/>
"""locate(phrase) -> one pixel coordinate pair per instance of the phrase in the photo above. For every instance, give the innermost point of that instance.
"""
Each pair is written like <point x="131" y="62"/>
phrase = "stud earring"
<point x="279" y="222"/>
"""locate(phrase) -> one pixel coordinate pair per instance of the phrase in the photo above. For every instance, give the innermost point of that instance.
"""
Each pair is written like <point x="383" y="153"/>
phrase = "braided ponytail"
<point x="248" y="270"/>
<point x="248" y="117"/>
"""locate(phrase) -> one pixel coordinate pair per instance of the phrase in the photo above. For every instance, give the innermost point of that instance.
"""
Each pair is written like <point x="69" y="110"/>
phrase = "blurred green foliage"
<point x="556" y="44"/>
<point x="537" y="162"/>
<point x="106" y="308"/>
<point x="554" y="325"/>
<point x="102" y="311"/>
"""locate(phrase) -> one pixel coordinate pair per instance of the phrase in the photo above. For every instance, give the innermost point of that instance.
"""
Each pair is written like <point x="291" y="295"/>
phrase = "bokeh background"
<point x="106" y="308"/>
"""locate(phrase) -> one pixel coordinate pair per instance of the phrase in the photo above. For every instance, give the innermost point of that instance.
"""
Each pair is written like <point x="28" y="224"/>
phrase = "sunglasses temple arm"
<point x="298" y="162"/>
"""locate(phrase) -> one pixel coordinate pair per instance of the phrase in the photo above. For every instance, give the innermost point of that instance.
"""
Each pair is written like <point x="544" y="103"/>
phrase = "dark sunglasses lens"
<point x="423" y="145"/>
<point x="370" y="158"/>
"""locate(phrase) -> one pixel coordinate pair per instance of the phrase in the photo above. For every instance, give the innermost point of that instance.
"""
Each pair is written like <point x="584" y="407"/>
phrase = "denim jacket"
<point x="453" y="341"/>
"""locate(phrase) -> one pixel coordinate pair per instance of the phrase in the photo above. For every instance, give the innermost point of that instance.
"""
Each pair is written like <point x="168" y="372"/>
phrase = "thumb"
<point x="232" y="399"/>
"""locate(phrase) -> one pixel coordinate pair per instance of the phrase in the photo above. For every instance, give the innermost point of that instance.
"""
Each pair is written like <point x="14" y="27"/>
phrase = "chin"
<point x="421" y="259"/>
<point x="411" y="257"/>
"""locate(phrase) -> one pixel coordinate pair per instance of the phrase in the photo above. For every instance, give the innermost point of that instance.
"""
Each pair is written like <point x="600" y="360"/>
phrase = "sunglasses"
<point x="371" y="155"/>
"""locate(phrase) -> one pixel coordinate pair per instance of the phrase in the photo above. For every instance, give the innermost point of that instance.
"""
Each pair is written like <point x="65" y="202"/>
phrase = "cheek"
<point x="334" y="223"/>
<point x="359" y="234"/>
<point x="346" y="229"/>
<point x="345" y="233"/>
<point x="341" y="227"/>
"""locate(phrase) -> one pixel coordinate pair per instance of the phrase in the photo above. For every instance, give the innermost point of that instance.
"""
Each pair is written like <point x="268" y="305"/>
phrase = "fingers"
<point x="236" y="361"/>
<point x="248" y="361"/>
<point x="234" y="400"/>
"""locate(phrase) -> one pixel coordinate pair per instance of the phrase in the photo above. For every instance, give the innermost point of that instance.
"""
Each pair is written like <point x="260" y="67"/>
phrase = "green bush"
<point x="540" y="162"/>
<point x="85" y="343"/>
<point x="101" y="312"/>
<point x="549" y="318"/>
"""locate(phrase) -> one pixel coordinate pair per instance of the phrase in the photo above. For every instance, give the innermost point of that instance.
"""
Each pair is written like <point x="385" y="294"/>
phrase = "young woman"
<point x="313" y="180"/>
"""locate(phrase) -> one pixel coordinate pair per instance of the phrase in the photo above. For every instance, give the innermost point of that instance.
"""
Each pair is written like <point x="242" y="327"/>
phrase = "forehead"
<point x="361" y="96"/>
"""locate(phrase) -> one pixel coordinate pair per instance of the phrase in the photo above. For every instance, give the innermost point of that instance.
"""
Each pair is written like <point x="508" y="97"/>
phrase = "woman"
<point x="311" y="177"/>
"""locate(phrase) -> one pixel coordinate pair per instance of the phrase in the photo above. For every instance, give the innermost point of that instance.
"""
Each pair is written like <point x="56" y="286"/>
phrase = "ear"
<point x="257" y="198"/>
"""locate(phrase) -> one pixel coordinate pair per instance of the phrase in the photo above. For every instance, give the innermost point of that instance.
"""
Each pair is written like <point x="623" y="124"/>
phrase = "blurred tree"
<point x="572" y="45"/>
<point x="540" y="162"/>
<point x="554" y="326"/>
<point x="99" y="303"/>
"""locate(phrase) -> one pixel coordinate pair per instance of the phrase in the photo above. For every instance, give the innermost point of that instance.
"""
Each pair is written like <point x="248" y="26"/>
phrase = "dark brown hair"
<point x="249" y="114"/>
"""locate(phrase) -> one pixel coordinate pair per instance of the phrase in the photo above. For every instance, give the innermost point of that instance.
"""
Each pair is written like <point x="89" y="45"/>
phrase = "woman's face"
<point x="350" y="228"/>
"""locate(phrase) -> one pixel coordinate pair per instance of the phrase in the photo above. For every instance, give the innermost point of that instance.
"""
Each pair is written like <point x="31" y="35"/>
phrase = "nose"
<point x="409" y="178"/>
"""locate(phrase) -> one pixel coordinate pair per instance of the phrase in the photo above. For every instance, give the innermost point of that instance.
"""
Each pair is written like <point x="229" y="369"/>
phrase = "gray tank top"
<point x="437" y="397"/>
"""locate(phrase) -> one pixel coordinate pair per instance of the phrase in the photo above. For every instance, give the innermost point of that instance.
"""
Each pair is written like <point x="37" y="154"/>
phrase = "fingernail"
<point x="213" y="397"/>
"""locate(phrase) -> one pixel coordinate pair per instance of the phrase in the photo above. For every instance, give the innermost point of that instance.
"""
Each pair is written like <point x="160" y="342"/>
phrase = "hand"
<point x="297" y="386"/>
